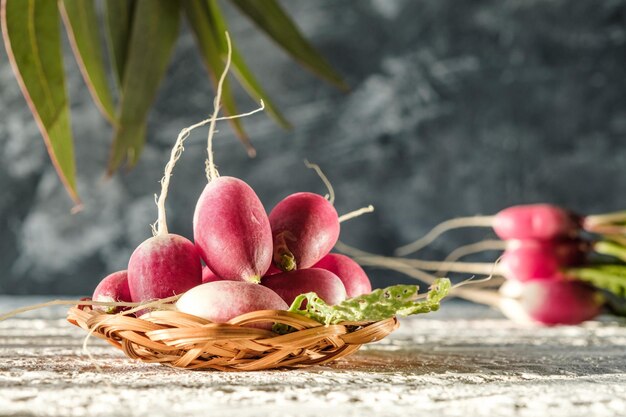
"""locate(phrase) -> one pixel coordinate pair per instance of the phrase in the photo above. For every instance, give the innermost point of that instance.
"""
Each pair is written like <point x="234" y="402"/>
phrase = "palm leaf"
<point x="119" y="20"/>
<point x="270" y="17"/>
<point x="30" y="29"/>
<point x="244" y="75"/>
<point x="198" y="16"/>
<point x="154" y="32"/>
<point x="81" y="23"/>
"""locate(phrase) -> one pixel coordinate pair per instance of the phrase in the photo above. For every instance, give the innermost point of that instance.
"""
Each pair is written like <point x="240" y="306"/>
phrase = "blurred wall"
<point x="456" y="108"/>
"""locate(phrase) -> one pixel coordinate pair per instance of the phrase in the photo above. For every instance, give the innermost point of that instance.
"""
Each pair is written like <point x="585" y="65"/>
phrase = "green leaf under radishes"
<point x="380" y="304"/>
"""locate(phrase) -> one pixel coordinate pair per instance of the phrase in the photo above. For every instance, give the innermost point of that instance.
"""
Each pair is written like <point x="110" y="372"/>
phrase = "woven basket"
<point x="184" y="341"/>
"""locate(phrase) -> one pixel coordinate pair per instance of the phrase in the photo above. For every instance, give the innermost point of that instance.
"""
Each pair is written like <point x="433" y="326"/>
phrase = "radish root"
<point x="460" y="252"/>
<point x="331" y="191"/>
<point x="211" y="171"/>
<point x="356" y="213"/>
<point x="441" y="228"/>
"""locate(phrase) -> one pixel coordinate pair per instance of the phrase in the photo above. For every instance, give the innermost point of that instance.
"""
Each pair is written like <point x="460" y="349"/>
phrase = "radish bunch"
<point x="560" y="268"/>
<point x="252" y="260"/>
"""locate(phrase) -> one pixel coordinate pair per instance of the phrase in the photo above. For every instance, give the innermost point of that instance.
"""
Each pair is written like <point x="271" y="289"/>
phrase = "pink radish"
<point x="162" y="266"/>
<point x="112" y="288"/>
<point x="232" y="231"/>
<point x="208" y="275"/>
<point x="324" y="283"/>
<point x="350" y="273"/>
<point x="525" y="260"/>
<point x="220" y="301"/>
<point x="551" y="302"/>
<point x="534" y="221"/>
<point x="230" y="225"/>
<point x="305" y="227"/>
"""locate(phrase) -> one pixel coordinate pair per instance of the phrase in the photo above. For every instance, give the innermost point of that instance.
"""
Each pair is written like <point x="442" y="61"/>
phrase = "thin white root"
<point x="490" y="298"/>
<point x="324" y="178"/>
<point x="441" y="228"/>
<point x="211" y="171"/>
<point x="460" y="252"/>
<point x="356" y="213"/>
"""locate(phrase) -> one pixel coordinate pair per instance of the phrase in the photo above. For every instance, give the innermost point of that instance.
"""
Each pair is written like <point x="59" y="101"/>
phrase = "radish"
<point x="208" y="275"/>
<point x="525" y="260"/>
<point x="230" y="226"/>
<point x="305" y="227"/>
<point x="352" y="276"/>
<point x="530" y="221"/>
<point x="162" y="266"/>
<point x="324" y="283"/>
<point x="534" y="221"/>
<point x="552" y="302"/>
<point x="232" y="230"/>
<point x="112" y="288"/>
<point x="220" y="301"/>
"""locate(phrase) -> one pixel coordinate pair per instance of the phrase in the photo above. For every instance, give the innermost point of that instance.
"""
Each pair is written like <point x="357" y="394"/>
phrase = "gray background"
<point x="456" y="108"/>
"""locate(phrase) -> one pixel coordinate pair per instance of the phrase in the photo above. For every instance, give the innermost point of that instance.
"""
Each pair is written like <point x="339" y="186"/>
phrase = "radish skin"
<point x="289" y="285"/>
<point x="552" y="302"/>
<point x="112" y="288"/>
<point x="350" y="273"/>
<point x="221" y="301"/>
<point x="232" y="231"/>
<point x="208" y="275"/>
<point x="162" y="266"/>
<point x="534" y="221"/>
<point x="305" y="227"/>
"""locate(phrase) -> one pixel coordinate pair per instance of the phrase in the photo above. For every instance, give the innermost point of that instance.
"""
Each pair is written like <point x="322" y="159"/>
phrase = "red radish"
<point x="208" y="275"/>
<point x="232" y="231"/>
<point x="305" y="227"/>
<point x="230" y="225"/>
<point x="112" y="288"/>
<point x="525" y="260"/>
<point x="349" y="272"/>
<point x="220" y="301"/>
<point x="534" y="221"/>
<point x="162" y="266"/>
<point x="324" y="283"/>
<point x="552" y="302"/>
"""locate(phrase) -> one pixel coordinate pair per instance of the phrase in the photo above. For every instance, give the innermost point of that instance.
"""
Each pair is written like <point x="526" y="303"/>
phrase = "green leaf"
<point x="269" y="16"/>
<point x="611" y="278"/>
<point x="30" y="29"/>
<point x="243" y="73"/>
<point x="154" y="32"/>
<point x="197" y="13"/>
<point x="119" y="21"/>
<point x="380" y="304"/>
<point x="81" y="23"/>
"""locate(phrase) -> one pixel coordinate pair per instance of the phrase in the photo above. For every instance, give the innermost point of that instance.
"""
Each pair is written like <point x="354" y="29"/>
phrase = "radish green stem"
<point x="475" y="221"/>
<point x="356" y="213"/>
<point x="211" y="171"/>
<point x="611" y="249"/>
<point x="329" y="186"/>
<point x="597" y="219"/>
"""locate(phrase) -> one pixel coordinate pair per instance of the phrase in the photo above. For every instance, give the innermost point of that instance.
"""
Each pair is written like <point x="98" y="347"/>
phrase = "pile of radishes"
<point x="241" y="259"/>
<point x="560" y="268"/>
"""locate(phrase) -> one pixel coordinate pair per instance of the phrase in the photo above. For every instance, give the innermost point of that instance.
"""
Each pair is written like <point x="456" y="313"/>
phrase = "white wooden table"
<point x="464" y="360"/>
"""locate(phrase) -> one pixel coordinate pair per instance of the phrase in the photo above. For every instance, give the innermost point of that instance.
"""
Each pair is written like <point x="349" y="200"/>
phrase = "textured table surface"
<point x="464" y="360"/>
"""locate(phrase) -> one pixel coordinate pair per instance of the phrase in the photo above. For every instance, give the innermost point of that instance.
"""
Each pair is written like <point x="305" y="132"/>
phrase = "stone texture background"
<point x="456" y="108"/>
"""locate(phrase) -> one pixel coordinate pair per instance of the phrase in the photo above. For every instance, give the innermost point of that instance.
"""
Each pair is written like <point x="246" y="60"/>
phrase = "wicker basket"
<point x="184" y="341"/>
